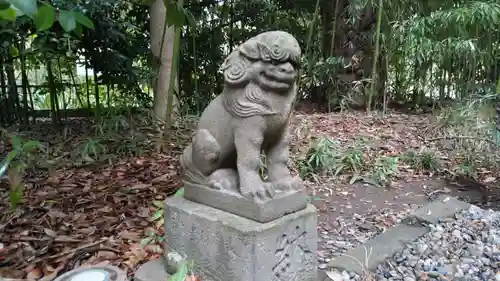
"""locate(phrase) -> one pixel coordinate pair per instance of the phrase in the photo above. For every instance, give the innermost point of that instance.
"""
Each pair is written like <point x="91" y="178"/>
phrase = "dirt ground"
<point x="345" y="200"/>
<point x="349" y="215"/>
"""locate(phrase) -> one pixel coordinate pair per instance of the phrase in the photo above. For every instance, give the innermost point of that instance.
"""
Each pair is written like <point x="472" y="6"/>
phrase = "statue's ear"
<point x="250" y="49"/>
<point x="224" y="65"/>
<point x="227" y="62"/>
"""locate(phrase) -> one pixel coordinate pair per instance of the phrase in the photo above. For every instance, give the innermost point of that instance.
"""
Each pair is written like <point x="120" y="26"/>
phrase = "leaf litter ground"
<point x="81" y="216"/>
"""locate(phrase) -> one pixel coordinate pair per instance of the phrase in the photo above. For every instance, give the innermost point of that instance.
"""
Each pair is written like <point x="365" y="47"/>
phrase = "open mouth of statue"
<point x="280" y="77"/>
<point x="276" y="80"/>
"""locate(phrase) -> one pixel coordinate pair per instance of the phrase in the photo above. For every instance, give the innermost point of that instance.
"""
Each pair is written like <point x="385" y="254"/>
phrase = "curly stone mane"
<point x="242" y="96"/>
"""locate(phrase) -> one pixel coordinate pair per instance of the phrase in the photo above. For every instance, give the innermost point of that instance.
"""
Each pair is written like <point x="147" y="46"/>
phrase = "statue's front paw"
<point x="258" y="191"/>
<point x="289" y="183"/>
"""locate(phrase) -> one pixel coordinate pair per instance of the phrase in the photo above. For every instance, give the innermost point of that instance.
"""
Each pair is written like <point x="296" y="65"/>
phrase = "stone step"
<point x="386" y="244"/>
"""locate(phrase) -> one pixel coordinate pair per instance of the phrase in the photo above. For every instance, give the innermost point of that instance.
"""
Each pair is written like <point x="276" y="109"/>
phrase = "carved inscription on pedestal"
<point x="293" y="255"/>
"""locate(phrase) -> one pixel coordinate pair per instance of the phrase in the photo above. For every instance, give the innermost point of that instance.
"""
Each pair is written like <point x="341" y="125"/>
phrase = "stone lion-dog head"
<point x="262" y="66"/>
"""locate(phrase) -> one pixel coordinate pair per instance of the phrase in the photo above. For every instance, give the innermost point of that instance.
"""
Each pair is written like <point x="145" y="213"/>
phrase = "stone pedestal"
<point x="227" y="247"/>
<point x="282" y="203"/>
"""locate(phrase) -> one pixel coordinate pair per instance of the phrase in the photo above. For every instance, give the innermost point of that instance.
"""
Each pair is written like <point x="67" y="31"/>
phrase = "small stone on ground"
<point x="153" y="270"/>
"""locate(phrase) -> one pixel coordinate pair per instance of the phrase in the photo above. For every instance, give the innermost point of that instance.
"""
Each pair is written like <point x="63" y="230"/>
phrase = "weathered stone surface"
<point x="250" y="115"/>
<point x="382" y="247"/>
<point x="154" y="270"/>
<point x="227" y="247"/>
<point x="439" y="209"/>
<point x="233" y="202"/>
<point x="322" y="276"/>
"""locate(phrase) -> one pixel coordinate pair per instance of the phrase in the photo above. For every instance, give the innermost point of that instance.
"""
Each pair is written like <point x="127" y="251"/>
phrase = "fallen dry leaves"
<point x="390" y="135"/>
<point x="93" y="215"/>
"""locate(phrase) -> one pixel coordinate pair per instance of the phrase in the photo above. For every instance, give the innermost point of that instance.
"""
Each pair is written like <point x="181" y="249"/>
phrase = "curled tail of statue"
<point x="200" y="158"/>
<point x="191" y="173"/>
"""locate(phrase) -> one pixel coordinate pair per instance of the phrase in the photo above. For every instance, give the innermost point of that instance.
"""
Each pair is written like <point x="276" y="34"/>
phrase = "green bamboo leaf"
<point x="30" y="145"/>
<point x="15" y="195"/>
<point x="181" y="274"/>
<point x="158" y="204"/>
<point x="27" y="7"/>
<point x="84" y="20"/>
<point x="498" y="86"/>
<point x="314" y="198"/>
<point x="11" y="155"/>
<point x="67" y="20"/>
<point x="4" y="5"/>
<point x="8" y="14"/>
<point x="190" y="18"/>
<point x="159" y="223"/>
<point x="174" y="14"/>
<point x="158" y="214"/>
<point x="16" y="140"/>
<point x="179" y="192"/>
<point x="78" y="30"/>
<point x="45" y="17"/>
<point x="146" y="241"/>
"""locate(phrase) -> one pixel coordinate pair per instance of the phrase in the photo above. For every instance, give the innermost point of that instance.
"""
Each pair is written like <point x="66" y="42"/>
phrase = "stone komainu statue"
<point x="249" y="116"/>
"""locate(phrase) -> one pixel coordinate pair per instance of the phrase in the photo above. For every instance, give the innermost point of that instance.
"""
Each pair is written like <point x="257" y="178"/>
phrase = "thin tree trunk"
<point x="96" y="95"/>
<point x="24" y="83"/>
<point x="231" y="16"/>
<point x="496" y="133"/>
<point x="162" y="44"/>
<point x="108" y="96"/>
<point x="375" y="57"/>
<point x="3" y="98"/>
<point x="13" y="96"/>
<point x="73" y="81"/>
<point x="65" y="104"/>
<point x="87" y="86"/>
<point x="52" y="92"/>
<point x="173" y="74"/>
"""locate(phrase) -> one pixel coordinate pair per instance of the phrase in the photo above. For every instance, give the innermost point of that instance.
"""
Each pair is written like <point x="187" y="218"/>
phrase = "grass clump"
<point x="425" y="160"/>
<point x="384" y="169"/>
<point x="467" y="133"/>
<point x="327" y="157"/>
<point x="319" y="159"/>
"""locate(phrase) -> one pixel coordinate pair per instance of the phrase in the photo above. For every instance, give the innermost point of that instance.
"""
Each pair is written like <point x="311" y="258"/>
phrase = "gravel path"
<point x="338" y="236"/>
<point x="464" y="247"/>
<point x="352" y="214"/>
